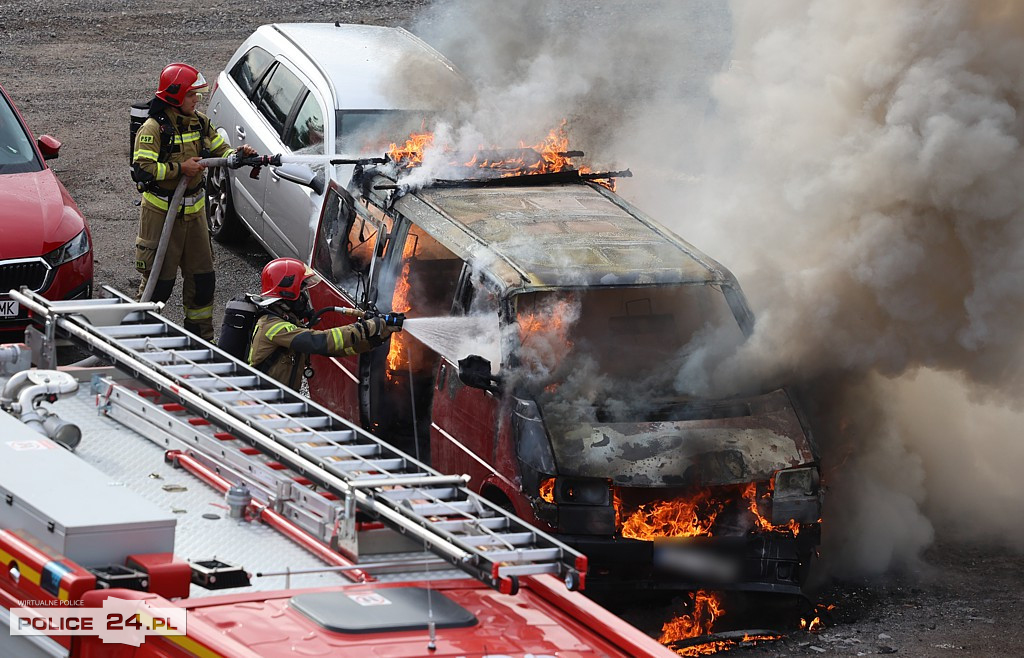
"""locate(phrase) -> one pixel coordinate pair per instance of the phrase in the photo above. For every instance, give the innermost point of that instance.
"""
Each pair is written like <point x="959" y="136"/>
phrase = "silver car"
<point x="314" y="89"/>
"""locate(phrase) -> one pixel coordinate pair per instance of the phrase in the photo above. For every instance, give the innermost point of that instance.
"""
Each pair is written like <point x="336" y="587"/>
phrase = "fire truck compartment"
<point x="71" y="506"/>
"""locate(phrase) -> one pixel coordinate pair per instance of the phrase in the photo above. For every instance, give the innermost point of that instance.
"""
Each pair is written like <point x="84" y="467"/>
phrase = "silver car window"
<point x="307" y="132"/>
<point x="277" y="100"/>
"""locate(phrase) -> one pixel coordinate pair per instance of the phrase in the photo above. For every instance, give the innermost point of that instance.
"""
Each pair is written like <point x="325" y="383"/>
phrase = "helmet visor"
<point x="200" y="84"/>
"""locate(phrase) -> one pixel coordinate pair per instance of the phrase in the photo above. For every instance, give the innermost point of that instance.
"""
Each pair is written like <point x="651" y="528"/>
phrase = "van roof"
<point x="372" y="67"/>
<point x="557" y="235"/>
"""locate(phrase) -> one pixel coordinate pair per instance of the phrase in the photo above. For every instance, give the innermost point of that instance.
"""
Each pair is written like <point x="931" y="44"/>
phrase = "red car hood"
<point x="34" y="218"/>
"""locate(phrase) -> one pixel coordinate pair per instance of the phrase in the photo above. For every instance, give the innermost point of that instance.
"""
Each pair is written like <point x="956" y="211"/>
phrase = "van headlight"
<point x="582" y="491"/>
<point x="797" y="496"/>
<point x="69" y="251"/>
<point x="796" y="482"/>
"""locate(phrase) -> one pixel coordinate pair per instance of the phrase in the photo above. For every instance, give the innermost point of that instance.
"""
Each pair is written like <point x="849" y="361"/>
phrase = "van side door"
<point x="465" y="422"/>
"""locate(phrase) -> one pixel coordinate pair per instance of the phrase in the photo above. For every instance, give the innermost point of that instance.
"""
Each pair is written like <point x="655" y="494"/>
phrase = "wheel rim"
<point x="216" y="198"/>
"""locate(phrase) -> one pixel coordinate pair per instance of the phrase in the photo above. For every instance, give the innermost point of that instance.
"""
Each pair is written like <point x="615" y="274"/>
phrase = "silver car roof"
<point x="372" y="67"/>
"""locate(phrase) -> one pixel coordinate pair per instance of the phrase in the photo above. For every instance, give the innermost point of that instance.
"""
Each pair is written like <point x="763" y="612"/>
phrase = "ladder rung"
<point x="380" y="465"/>
<point x="161" y="342"/>
<point x="456" y="526"/>
<point x="519" y="555"/>
<point x="189" y="370"/>
<point x="440" y="509"/>
<point x="171" y="356"/>
<point x="513" y="538"/>
<point x="507" y="570"/>
<point x="327" y="451"/>
<point x="247" y="394"/>
<point x="422" y="493"/>
<point x="224" y="382"/>
<point x="286" y="408"/>
<point x="327" y="438"/>
<point x="293" y="421"/>
<point x="125" y="330"/>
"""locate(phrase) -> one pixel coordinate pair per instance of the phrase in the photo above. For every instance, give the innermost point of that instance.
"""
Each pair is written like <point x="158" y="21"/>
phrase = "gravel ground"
<point x="75" y="66"/>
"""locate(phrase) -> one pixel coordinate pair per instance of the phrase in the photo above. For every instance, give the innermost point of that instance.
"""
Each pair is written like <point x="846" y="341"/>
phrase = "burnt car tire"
<point x="225" y="225"/>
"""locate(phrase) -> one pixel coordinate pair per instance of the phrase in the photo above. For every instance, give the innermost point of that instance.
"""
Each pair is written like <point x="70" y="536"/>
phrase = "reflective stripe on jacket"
<point x="273" y="332"/>
<point x="188" y="142"/>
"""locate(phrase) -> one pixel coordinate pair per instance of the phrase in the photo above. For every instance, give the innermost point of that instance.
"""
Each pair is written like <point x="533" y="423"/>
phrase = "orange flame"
<point x="397" y="355"/>
<point x="706" y="607"/>
<point x="547" y="490"/>
<point x="692" y="516"/>
<point x="410" y="154"/>
<point x="551" y="156"/>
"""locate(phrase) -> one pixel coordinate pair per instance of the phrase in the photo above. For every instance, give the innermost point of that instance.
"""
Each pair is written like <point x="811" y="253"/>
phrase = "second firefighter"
<point x="281" y="343"/>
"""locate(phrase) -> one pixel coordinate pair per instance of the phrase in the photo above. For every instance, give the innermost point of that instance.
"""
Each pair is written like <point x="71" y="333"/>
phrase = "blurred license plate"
<point x="694" y="562"/>
<point x="8" y="308"/>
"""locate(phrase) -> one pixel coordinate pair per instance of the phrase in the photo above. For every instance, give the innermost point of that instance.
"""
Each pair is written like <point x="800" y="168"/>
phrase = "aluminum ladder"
<point x="314" y="466"/>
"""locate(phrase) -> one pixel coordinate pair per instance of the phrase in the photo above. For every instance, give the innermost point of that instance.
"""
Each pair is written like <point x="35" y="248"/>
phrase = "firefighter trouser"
<point x="190" y="249"/>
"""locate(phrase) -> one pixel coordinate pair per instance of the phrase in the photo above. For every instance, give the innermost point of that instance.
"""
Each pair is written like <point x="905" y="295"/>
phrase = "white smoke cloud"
<point x="857" y="166"/>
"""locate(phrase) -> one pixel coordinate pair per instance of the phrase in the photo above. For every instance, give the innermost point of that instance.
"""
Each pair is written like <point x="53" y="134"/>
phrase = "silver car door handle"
<point x="240" y="131"/>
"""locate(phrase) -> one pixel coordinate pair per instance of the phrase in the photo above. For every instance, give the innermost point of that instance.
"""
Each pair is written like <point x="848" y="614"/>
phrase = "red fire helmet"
<point x="178" y="79"/>
<point x="283" y="278"/>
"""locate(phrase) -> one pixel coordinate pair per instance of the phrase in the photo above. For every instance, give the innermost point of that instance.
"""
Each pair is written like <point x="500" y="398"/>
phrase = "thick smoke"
<point x="859" y="175"/>
<point x="857" y="166"/>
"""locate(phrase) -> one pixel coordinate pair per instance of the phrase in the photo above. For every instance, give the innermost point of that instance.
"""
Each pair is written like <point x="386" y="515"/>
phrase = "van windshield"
<point x="618" y="354"/>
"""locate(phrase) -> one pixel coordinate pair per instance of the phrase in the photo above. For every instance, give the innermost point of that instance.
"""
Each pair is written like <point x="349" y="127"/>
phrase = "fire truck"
<point x="551" y="353"/>
<point x="173" y="501"/>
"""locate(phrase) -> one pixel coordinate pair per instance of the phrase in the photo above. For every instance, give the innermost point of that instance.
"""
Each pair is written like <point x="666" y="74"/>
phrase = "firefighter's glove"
<point x="375" y="330"/>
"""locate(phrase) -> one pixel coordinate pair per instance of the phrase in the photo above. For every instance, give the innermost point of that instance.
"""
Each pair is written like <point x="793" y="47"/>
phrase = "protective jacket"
<point x="191" y="136"/>
<point x="281" y="348"/>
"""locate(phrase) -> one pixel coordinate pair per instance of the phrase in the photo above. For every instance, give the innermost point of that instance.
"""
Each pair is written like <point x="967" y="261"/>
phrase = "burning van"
<point x="551" y="328"/>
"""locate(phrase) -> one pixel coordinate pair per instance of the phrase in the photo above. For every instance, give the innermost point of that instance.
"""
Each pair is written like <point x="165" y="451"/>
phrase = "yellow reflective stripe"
<point x="163" y="204"/>
<point x="145" y="154"/>
<point x="161" y="171"/>
<point x="275" y="329"/>
<point x="158" y="203"/>
<point x="186" y="138"/>
<point x="216" y="141"/>
<point x="197" y="206"/>
<point x="338" y="338"/>
<point x="200" y="313"/>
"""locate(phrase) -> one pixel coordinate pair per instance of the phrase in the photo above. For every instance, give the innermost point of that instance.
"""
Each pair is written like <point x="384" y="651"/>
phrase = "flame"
<point x="550" y="155"/>
<point x="410" y="154"/>
<point x="706" y="607"/>
<point x="693" y="515"/>
<point x="547" y="490"/>
<point x="549" y="326"/>
<point x="397" y="355"/>
<point x="813" y="626"/>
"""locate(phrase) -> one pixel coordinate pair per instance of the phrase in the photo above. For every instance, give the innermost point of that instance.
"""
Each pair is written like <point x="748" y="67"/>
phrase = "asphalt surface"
<point x="74" y="67"/>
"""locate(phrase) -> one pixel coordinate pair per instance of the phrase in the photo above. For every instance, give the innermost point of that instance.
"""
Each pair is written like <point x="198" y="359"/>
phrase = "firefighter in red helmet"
<point x="281" y="343"/>
<point x="168" y="146"/>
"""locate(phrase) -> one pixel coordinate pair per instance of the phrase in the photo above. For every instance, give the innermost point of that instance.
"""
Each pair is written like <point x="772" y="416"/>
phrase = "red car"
<point x="44" y="240"/>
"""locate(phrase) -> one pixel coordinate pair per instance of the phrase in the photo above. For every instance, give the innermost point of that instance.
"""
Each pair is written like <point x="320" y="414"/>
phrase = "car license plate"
<point x="8" y="308"/>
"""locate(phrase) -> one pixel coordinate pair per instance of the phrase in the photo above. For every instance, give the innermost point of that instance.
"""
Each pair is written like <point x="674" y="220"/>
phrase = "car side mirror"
<point x="475" y="372"/>
<point x="300" y="175"/>
<point x="49" y="146"/>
